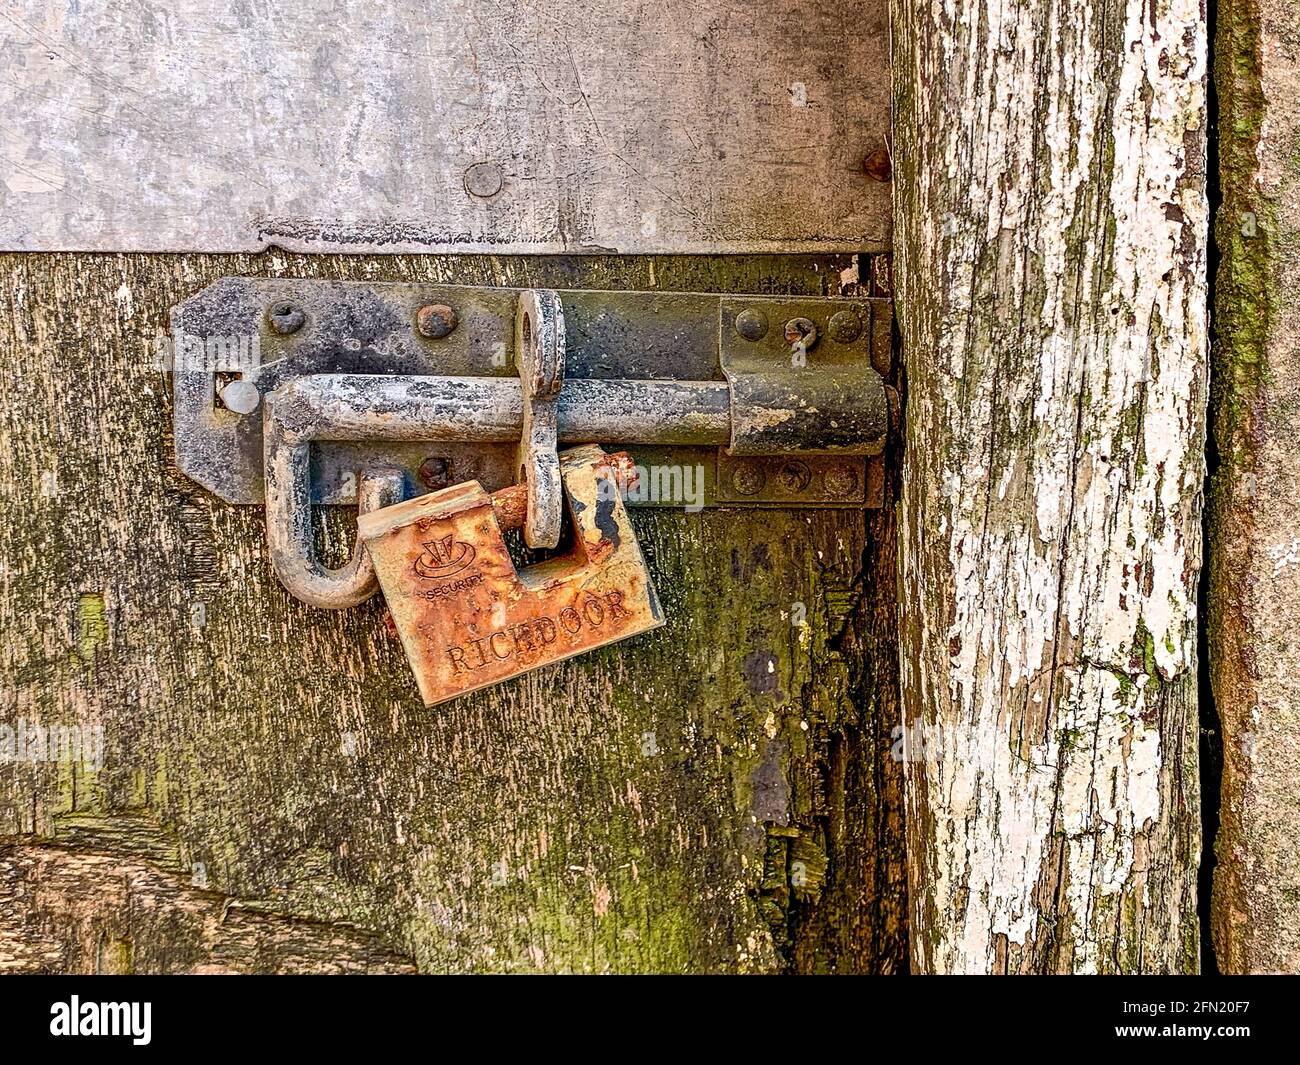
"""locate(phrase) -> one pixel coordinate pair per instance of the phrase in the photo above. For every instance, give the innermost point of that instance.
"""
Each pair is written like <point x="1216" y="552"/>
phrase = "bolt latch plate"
<point x="242" y="339"/>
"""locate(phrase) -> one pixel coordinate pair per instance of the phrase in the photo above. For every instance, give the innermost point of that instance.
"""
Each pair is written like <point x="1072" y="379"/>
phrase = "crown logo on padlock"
<point x="443" y="558"/>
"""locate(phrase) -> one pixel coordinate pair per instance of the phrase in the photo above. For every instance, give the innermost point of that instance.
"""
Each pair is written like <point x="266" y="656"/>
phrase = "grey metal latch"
<point x="297" y="392"/>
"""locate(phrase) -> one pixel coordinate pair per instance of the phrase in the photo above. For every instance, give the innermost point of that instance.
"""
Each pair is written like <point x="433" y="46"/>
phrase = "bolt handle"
<point x="539" y="357"/>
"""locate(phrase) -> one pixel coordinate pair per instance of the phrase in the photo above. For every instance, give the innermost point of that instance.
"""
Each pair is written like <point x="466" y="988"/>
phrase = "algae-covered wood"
<point x="714" y="796"/>
<point x="1254" y="583"/>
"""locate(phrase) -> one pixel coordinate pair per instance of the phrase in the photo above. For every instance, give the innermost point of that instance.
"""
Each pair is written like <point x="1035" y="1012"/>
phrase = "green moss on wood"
<point x="228" y="733"/>
<point x="1245" y="231"/>
<point x="92" y="625"/>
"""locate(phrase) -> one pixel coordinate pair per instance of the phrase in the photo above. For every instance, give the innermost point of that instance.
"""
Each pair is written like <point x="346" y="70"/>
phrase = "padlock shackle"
<point x="466" y="409"/>
<point x="510" y="504"/>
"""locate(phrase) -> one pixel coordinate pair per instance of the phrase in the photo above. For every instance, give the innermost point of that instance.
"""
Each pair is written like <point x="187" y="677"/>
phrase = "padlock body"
<point x="468" y="618"/>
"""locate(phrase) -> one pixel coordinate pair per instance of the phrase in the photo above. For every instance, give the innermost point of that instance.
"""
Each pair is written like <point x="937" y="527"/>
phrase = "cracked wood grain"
<point x="1051" y="223"/>
<point x="638" y="809"/>
<point x="460" y="125"/>
<point x="77" y="911"/>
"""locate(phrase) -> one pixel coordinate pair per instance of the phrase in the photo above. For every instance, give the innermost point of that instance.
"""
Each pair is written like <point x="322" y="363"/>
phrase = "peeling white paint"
<point x="849" y="277"/>
<point x="1052" y="543"/>
<point x="122" y="297"/>
<point x="1284" y="555"/>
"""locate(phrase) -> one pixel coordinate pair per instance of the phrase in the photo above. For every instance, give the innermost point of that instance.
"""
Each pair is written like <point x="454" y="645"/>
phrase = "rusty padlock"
<point x="468" y="617"/>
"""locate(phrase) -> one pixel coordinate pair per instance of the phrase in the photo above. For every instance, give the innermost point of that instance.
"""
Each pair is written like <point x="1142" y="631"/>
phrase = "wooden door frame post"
<point x="1050" y="242"/>
<point x="1253" y="620"/>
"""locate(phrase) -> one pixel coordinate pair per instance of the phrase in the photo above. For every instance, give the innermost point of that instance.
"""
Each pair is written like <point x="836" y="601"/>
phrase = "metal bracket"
<point x="372" y="393"/>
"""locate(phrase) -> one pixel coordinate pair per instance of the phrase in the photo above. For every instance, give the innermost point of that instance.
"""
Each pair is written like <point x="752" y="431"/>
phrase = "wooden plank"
<point x="491" y="125"/>
<point x="69" y="910"/>
<point x="1051" y="214"/>
<point x="715" y="796"/>
<point x="1254" y="592"/>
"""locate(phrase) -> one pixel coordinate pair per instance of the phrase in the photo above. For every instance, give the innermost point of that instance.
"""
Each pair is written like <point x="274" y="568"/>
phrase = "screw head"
<point x="795" y="476"/>
<point x="845" y="326"/>
<point x="484" y="180"/>
<point x="801" y="329"/>
<point x="878" y="165"/>
<point x="747" y="479"/>
<point x="751" y="324"/>
<point x="841" y="481"/>
<point x="285" y="317"/>
<point x="435" y="472"/>
<point x="435" y="320"/>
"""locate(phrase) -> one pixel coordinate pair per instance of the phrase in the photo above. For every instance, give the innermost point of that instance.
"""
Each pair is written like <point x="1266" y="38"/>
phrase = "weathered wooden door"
<point x="257" y="786"/>
<point x="1014" y="652"/>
